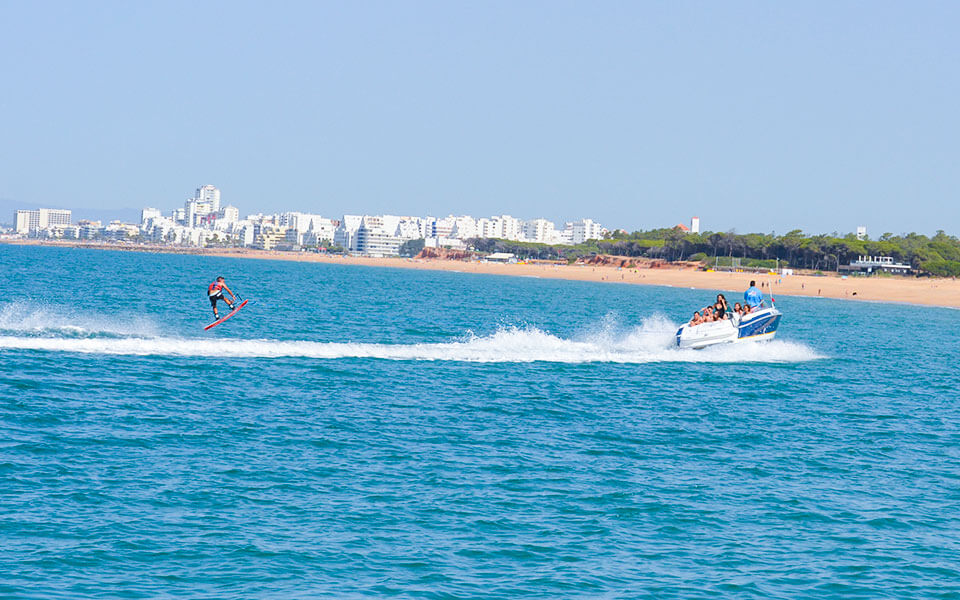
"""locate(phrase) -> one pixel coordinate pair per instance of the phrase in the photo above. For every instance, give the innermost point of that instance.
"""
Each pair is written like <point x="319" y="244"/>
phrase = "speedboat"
<point x="758" y="325"/>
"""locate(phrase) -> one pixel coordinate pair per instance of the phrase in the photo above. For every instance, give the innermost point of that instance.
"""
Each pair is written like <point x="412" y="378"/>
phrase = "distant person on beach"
<point x="215" y="292"/>
<point x="753" y="297"/>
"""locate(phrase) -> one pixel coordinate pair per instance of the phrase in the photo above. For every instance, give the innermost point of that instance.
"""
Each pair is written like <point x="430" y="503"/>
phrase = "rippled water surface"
<point x="366" y="432"/>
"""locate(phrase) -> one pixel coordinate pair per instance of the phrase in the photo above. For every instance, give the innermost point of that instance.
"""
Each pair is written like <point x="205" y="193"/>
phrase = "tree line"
<point x="938" y="255"/>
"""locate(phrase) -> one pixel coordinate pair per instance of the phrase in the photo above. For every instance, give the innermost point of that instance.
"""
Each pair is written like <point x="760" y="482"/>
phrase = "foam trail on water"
<point x="650" y="342"/>
<point x="54" y="320"/>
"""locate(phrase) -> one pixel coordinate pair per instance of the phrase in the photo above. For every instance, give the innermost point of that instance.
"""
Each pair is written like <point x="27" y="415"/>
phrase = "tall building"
<point x="695" y="225"/>
<point x="205" y="201"/>
<point x="861" y="232"/>
<point x="27" y="221"/>
<point x="209" y="194"/>
<point x="149" y="213"/>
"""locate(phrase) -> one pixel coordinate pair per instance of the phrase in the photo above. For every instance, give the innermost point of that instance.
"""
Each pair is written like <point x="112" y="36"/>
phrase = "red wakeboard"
<point x="226" y="316"/>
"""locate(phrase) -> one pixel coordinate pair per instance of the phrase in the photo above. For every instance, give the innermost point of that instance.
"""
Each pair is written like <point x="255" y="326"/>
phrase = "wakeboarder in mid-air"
<point x="215" y="292"/>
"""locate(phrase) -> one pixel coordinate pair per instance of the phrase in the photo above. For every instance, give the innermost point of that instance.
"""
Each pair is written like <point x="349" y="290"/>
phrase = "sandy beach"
<point x="910" y="290"/>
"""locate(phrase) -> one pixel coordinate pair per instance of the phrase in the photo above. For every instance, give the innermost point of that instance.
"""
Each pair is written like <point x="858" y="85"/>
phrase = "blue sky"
<point x="756" y="116"/>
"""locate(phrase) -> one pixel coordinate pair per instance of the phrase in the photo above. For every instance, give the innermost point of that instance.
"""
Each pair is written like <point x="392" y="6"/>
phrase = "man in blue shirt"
<point x="753" y="297"/>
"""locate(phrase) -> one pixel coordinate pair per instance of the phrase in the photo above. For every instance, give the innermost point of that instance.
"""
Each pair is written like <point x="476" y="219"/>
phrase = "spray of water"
<point x="651" y="341"/>
<point x="33" y="319"/>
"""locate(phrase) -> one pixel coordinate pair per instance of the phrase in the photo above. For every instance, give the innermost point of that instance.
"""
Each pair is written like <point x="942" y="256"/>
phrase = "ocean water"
<point x="366" y="432"/>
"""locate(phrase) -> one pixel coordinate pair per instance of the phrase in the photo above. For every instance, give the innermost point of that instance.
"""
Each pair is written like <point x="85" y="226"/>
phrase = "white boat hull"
<point x="758" y="325"/>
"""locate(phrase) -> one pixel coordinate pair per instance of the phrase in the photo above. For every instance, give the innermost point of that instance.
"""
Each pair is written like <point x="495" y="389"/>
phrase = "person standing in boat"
<point x="753" y="297"/>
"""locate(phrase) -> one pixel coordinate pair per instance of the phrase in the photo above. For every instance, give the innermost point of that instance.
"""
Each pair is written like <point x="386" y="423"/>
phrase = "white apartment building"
<point x="228" y="214"/>
<point x="302" y="222"/>
<point x="346" y="234"/>
<point x="118" y="230"/>
<point x="583" y="230"/>
<point x="503" y="227"/>
<point x="319" y="230"/>
<point x="409" y="228"/>
<point x="208" y="194"/>
<point x="30" y="221"/>
<point x="306" y="228"/>
<point x="383" y="235"/>
<point x="444" y="227"/>
<point x="464" y="228"/>
<point x="375" y="241"/>
<point x="244" y="234"/>
<point x="541" y="231"/>
<point x="449" y="227"/>
<point x="205" y="202"/>
<point x="89" y="229"/>
<point x="149" y="213"/>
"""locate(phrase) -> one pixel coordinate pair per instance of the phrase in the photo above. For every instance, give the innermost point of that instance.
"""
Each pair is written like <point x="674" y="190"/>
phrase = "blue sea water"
<point x="369" y="432"/>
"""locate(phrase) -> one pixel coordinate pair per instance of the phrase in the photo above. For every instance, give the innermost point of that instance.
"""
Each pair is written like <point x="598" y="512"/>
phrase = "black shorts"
<point x="215" y="297"/>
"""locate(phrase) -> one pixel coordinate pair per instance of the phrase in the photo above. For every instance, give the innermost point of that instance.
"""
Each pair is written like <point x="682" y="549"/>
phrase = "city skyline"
<point x="756" y="118"/>
<point x="205" y="220"/>
<point x="690" y="223"/>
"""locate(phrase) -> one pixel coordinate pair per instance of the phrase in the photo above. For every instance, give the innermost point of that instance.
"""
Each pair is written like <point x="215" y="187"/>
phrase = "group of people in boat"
<point x="720" y="310"/>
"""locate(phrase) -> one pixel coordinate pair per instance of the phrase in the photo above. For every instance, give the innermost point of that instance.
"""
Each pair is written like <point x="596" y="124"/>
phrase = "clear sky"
<point x="756" y="116"/>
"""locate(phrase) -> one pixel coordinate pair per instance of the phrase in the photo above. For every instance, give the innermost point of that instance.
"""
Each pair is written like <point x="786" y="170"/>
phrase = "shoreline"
<point x="940" y="292"/>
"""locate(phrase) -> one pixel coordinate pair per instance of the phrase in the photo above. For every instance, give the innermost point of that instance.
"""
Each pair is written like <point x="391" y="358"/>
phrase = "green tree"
<point x="412" y="247"/>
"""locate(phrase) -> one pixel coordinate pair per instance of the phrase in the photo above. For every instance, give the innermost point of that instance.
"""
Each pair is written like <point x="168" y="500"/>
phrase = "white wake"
<point x="650" y="342"/>
<point x="39" y="319"/>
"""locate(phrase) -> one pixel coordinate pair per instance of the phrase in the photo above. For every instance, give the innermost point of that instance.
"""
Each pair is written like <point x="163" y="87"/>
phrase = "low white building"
<point x="868" y="265"/>
<point x="89" y="230"/>
<point x="118" y="230"/>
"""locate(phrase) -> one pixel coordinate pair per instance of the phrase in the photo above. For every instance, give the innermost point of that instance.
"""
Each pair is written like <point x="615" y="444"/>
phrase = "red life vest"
<point x="214" y="288"/>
